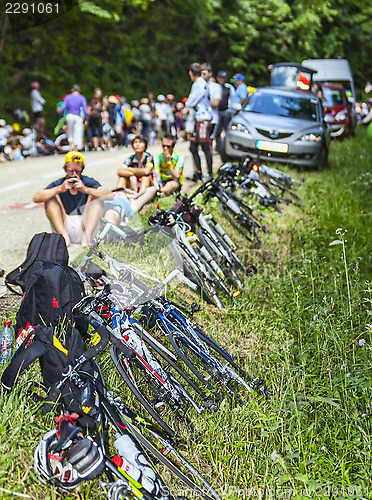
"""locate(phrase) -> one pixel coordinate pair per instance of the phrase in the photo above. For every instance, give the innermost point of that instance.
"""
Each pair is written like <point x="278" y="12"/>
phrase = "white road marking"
<point x="14" y="186"/>
<point x="57" y="173"/>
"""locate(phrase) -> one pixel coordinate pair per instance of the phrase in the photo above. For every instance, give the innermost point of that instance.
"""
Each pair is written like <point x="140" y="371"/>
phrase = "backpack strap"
<point x="24" y="357"/>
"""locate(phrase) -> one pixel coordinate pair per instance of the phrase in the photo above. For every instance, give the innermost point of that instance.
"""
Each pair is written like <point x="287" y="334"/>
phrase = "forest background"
<point x="131" y="47"/>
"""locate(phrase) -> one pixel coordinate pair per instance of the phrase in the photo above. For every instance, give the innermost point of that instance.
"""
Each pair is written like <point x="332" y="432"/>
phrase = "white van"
<point x="333" y="71"/>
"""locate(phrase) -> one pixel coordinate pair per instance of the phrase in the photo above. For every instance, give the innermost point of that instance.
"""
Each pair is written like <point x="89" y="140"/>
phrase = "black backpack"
<point x="43" y="246"/>
<point x="50" y="287"/>
<point x="50" y="293"/>
<point x="54" y="355"/>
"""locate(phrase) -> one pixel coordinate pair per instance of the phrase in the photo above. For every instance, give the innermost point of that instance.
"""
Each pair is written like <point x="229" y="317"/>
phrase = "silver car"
<point x="281" y="125"/>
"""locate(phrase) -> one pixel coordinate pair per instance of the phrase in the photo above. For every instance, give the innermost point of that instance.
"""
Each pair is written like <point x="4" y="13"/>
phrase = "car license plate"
<point x="277" y="147"/>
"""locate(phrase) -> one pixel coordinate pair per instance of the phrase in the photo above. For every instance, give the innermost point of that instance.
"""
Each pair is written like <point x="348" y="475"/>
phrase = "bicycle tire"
<point x="172" y="363"/>
<point x="185" y="352"/>
<point x="189" y="270"/>
<point x="240" y="223"/>
<point x="226" y="265"/>
<point x="202" y="280"/>
<point x="228" y="247"/>
<point x="116" y="357"/>
<point x="211" y="274"/>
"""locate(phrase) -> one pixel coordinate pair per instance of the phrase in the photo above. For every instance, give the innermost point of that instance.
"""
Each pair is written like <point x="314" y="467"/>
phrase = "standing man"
<point x="75" y="107"/>
<point x="69" y="201"/>
<point x="224" y="112"/>
<point x="199" y="100"/>
<point x="215" y="96"/>
<point x="241" y="91"/>
<point x="37" y="103"/>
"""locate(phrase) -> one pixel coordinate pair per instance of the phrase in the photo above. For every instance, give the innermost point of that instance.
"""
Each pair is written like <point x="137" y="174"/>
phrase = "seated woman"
<point x="126" y="203"/>
<point x="136" y="172"/>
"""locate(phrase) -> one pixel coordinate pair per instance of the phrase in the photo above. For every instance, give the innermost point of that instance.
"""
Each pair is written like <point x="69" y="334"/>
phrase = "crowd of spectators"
<point x="109" y="121"/>
<point x="96" y="123"/>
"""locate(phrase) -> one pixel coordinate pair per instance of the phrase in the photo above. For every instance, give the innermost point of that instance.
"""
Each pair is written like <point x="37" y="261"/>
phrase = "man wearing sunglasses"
<point x="169" y="167"/>
<point x="69" y="202"/>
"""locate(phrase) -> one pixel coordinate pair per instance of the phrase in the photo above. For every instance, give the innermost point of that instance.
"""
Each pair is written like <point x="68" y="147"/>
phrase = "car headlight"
<point x="311" y="137"/>
<point x="239" y="127"/>
<point x="341" y="116"/>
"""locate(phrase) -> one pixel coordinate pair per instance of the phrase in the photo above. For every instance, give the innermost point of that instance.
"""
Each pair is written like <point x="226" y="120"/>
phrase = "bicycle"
<point x="148" y="372"/>
<point x="208" y="361"/>
<point x="109" y="408"/>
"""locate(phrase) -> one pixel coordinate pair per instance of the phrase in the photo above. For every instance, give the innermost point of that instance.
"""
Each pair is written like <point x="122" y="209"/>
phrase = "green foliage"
<point x="132" y="47"/>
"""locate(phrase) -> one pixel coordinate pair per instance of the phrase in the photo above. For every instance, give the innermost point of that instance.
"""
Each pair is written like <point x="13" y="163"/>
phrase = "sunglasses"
<point x="169" y="146"/>
<point x="73" y="171"/>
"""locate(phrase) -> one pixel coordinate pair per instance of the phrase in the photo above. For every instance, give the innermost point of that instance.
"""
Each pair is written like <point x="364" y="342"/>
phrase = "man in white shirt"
<point x="199" y="100"/>
<point x="215" y="95"/>
<point x="37" y="103"/>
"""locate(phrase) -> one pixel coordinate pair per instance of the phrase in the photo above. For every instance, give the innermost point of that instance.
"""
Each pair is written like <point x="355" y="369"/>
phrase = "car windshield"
<point x="332" y="97"/>
<point x="301" y="108"/>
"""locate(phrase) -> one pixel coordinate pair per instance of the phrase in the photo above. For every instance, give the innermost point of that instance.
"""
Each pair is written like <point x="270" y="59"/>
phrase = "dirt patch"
<point x="9" y="304"/>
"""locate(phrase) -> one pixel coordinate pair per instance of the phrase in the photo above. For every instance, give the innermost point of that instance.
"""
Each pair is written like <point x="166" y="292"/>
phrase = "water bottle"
<point x="134" y="463"/>
<point x="6" y="343"/>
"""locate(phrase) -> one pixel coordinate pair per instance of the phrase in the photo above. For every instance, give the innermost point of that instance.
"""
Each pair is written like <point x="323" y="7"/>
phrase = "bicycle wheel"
<point x="226" y="242"/>
<point x="191" y="271"/>
<point x="213" y="246"/>
<point x="240" y="221"/>
<point x="196" y="362"/>
<point x="210" y="269"/>
<point x="170" y="363"/>
<point x="141" y="384"/>
<point x="192" y="267"/>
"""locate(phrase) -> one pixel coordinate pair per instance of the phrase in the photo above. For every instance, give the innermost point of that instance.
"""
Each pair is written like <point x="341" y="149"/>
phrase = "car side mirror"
<point x="329" y="120"/>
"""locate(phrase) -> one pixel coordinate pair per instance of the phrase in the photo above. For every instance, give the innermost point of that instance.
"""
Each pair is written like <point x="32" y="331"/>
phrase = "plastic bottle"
<point x="6" y="343"/>
<point x="134" y="462"/>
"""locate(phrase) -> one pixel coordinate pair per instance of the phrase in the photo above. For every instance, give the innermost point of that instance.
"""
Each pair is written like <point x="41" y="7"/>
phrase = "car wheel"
<point x="323" y="160"/>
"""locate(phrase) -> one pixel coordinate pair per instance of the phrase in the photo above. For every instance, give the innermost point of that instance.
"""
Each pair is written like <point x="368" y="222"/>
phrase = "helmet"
<point x="35" y="85"/>
<point x="74" y="156"/>
<point x="65" y="457"/>
<point x="161" y="97"/>
<point x="184" y="100"/>
<point x="2" y="123"/>
<point x="180" y="106"/>
<point x="51" y="467"/>
<point x="16" y="127"/>
<point x="170" y="97"/>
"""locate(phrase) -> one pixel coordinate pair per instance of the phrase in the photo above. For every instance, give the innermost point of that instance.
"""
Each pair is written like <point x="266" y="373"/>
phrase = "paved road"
<point x="20" y="219"/>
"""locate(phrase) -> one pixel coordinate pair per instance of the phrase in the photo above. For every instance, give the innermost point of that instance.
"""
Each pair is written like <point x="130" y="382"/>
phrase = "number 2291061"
<point x="31" y="8"/>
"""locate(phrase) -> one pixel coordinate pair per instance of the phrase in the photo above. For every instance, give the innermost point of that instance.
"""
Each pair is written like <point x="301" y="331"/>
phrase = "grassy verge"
<point x="303" y="325"/>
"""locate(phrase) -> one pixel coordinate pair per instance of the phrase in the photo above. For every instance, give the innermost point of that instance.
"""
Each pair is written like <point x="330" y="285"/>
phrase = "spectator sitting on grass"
<point x="169" y="167"/>
<point x="136" y="172"/>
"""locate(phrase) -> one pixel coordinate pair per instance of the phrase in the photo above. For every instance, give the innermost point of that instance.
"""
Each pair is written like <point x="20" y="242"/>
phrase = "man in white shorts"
<point x="74" y="203"/>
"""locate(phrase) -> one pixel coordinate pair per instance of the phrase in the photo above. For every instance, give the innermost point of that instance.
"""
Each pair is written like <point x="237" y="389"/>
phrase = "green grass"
<point x="300" y="324"/>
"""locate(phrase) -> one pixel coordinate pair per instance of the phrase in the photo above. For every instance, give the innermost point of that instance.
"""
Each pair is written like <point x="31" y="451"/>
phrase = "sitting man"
<point x="69" y="202"/>
<point x="136" y="172"/>
<point x="126" y="203"/>
<point x="169" y="166"/>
